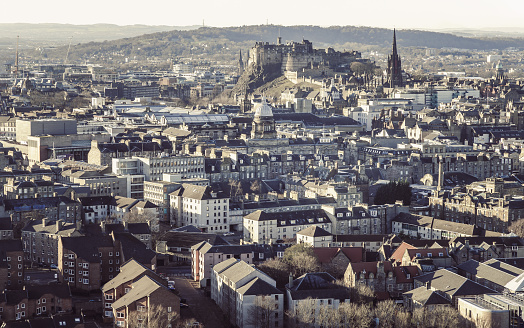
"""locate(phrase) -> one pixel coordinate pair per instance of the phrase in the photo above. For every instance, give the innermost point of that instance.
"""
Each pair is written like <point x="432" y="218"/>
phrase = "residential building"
<point x="449" y="285"/>
<point x="157" y="192"/>
<point x="130" y="272"/>
<point x="426" y="227"/>
<point x="315" y="237"/>
<point x="11" y="264"/>
<point x="146" y="299"/>
<point x="486" y="275"/>
<point x="35" y="300"/>
<point x="239" y="289"/>
<point x="382" y="277"/>
<point x="41" y="240"/>
<point x="262" y="228"/>
<point x="204" y="256"/>
<point x="316" y="287"/>
<point x="201" y="207"/>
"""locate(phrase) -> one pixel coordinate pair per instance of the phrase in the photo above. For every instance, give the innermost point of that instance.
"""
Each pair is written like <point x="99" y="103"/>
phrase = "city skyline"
<point x="400" y="14"/>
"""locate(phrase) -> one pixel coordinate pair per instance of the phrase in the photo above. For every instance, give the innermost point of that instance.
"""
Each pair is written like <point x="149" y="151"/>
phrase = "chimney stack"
<point x="58" y="225"/>
<point x="290" y="280"/>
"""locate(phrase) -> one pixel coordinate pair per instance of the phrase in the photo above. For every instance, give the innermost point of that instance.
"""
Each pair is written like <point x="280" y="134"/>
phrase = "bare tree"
<point x="255" y="187"/>
<point x="385" y="313"/>
<point x="362" y="294"/>
<point x="156" y="316"/>
<point x="262" y="313"/>
<point x="235" y="189"/>
<point x="438" y="317"/>
<point x="303" y="263"/>
<point x="301" y="259"/>
<point x="354" y="315"/>
<point x="517" y="227"/>
<point x="276" y="269"/>
<point x="304" y="313"/>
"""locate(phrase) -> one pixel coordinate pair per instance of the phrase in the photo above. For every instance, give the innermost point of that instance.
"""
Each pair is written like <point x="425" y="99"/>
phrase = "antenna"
<point x="16" y="59"/>
<point x="203" y="25"/>
<point x="69" y="48"/>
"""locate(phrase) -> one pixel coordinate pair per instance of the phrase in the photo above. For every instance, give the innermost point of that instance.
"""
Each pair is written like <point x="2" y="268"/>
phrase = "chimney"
<point x="103" y="226"/>
<point x="428" y="285"/>
<point x="467" y="243"/>
<point x="58" y="225"/>
<point x="43" y="222"/>
<point x="290" y="280"/>
<point x="78" y="225"/>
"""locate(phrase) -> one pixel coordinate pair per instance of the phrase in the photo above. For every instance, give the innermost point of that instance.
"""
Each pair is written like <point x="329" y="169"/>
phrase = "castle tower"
<point x="263" y="123"/>
<point x="240" y="64"/>
<point x="394" y="66"/>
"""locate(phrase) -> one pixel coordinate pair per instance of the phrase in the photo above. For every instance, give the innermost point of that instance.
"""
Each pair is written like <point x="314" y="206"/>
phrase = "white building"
<point x="315" y="236"/>
<point x="200" y="206"/>
<point x="189" y="167"/>
<point x="204" y="256"/>
<point x="312" y="291"/>
<point x="246" y="295"/>
<point x="263" y="228"/>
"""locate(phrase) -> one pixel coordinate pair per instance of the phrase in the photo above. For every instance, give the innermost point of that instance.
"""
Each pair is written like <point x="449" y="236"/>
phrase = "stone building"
<point x="11" y="264"/>
<point x="263" y="123"/>
<point x="295" y="56"/>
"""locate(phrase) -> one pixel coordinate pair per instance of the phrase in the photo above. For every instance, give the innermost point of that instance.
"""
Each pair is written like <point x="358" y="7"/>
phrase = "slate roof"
<point x="86" y="247"/>
<point x="138" y="228"/>
<point x="425" y="296"/>
<point x="452" y="283"/>
<point x="130" y="271"/>
<point x="56" y="289"/>
<point x="141" y="288"/>
<point x="256" y="287"/>
<point x="484" y="271"/>
<point x="326" y="254"/>
<point x="313" y="231"/>
<point x="317" y="285"/>
<point x="504" y="266"/>
<point x="287" y="218"/>
<point x="188" y="239"/>
<point x="133" y="248"/>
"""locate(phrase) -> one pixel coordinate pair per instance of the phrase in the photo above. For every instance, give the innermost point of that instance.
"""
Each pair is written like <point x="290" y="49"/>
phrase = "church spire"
<point x="394" y="66"/>
<point x="394" y="52"/>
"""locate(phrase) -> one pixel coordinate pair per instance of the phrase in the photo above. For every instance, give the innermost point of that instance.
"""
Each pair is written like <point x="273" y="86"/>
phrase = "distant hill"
<point x="81" y="33"/>
<point x="228" y="40"/>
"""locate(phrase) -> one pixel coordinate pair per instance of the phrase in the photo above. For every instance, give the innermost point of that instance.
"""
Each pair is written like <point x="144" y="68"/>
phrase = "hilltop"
<point x="223" y="44"/>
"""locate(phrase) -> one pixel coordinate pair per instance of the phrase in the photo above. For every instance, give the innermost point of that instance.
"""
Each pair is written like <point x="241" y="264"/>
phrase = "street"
<point x="201" y="308"/>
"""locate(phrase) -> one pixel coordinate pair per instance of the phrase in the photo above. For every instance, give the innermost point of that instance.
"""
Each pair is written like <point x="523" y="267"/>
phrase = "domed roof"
<point x="499" y="65"/>
<point x="263" y="109"/>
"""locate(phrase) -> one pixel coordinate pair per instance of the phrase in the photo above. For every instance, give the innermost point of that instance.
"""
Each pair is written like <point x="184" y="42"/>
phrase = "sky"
<point x="419" y="14"/>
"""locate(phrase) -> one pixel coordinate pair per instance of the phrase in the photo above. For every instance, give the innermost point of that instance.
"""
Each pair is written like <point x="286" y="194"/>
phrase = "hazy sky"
<point x="379" y="13"/>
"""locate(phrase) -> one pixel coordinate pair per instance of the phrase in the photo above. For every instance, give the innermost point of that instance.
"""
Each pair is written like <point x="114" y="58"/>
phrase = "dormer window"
<point x="418" y="255"/>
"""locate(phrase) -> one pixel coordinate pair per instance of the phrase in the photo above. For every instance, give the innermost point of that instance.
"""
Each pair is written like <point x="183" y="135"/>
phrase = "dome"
<point x="499" y="65"/>
<point x="263" y="109"/>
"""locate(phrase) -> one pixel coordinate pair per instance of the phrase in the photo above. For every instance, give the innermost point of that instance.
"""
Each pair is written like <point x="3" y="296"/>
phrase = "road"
<point x="201" y="308"/>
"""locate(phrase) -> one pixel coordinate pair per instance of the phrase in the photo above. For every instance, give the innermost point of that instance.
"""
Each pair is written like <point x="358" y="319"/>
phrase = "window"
<point x="23" y="305"/>
<point x="119" y="314"/>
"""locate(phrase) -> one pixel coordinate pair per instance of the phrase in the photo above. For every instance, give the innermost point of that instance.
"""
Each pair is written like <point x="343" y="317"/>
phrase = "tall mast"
<point x="16" y="59"/>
